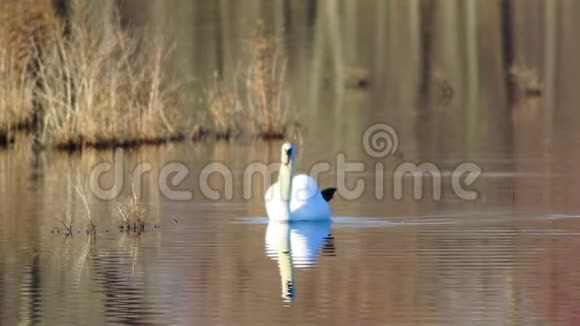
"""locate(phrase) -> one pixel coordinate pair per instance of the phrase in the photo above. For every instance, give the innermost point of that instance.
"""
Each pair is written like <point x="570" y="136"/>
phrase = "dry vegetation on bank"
<point x="15" y="99"/>
<point x="75" y="90"/>
<point x="256" y="101"/>
<point x="108" y="95"/>
<point x="84" y="91"/>
<point x="24" y="34"/>
<point x="109" y="92"/>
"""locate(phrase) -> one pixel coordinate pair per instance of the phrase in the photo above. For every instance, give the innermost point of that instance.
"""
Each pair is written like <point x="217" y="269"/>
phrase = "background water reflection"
<point x="403" y="262"/>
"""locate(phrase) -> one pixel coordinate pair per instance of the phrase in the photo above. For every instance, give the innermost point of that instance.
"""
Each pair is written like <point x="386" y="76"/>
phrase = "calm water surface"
<point x="507" y="257"/>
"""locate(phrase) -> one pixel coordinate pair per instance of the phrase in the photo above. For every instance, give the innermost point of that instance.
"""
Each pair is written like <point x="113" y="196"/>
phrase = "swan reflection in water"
<point x="297" y="245"/>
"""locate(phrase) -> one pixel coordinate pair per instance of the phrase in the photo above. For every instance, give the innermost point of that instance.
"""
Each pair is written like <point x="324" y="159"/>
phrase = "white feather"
<point x="306" y="201"/>
<point x="295" y="198"/>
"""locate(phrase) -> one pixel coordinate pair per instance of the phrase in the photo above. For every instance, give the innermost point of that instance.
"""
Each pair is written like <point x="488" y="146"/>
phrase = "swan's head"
<point x="288" y="153"/>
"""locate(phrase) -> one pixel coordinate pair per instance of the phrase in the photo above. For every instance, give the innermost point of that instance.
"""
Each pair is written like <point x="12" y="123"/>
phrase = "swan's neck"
<point x="285" y="183"/>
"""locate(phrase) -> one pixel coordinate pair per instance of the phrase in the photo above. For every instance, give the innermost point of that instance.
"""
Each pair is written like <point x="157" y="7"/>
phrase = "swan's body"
<point x="296" y="198"/>
<point x="306" y="201"/>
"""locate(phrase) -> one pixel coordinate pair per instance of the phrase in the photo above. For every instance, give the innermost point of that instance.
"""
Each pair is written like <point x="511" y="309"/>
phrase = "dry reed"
<point x="107" y="93"/>
<point x="112" y="89"/>
<point x="256" y="100"/>
<point x="83" y="194"/>
<point x="15" y="99"/>
<point x="130" y="213"/>
<point x="26" y="28"/>
<point x="223" y="109"/>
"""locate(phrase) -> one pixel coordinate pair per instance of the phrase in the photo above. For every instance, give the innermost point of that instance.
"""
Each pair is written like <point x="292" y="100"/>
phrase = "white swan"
<point x="296" y="198"/>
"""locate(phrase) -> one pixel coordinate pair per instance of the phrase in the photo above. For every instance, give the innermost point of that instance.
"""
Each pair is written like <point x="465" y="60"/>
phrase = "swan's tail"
<point x="328" y="193"/>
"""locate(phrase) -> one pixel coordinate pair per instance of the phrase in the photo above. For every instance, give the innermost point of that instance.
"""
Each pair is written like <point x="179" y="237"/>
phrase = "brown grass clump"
<point x="83" y="89"/>
<point x="107" y="93"/>
<point x="266" y="105"/>
<point x="15" y="99"/>
<point x="223" y="109"/>
<point x="256" y="102"/>
<point x="524" y="81"/>
<point x="130" y="213"/>
<point x="27" y="29"/>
